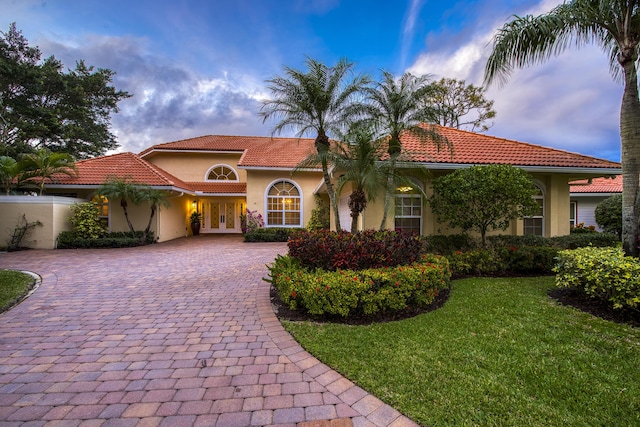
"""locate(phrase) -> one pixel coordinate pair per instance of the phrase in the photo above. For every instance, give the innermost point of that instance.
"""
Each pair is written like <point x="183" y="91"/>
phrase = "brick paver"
<point x="176" y="333"/>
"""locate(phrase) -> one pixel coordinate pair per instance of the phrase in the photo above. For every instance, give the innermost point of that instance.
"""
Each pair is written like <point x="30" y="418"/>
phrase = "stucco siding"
<point x="194" y="166"/>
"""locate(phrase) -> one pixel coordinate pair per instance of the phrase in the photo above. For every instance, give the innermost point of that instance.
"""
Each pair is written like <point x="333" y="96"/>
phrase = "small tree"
<point x="459" y="105"/>
<point x="43" y="165"/>
<point x="123" y="189"/>
<point x="319" y="215"/>
<point x="483" y="198"/>
<point x="609" y="215"/>
<point x="157" y="200"/>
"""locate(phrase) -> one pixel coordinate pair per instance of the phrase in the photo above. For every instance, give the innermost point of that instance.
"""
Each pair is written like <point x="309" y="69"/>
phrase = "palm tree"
<point x="44" y="164"/>
<point x="357" y="158"/>
<point x="10" y="170"/>
<point x="317" y="100"/>
<point x="120" y="188"/>
<point x="396" y="106"/>
<point x="614" y="25"/>
<point x="157" y="199"/>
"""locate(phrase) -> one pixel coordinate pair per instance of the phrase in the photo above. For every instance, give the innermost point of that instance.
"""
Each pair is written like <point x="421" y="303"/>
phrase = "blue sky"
<point x="199" y="67"/>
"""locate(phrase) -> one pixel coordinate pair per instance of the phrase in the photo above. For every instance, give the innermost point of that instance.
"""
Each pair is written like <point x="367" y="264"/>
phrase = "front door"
<point x="221" y="217"/>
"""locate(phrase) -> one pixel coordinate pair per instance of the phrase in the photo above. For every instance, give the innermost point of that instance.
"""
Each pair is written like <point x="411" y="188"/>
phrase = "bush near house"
<point x="331" y="250"/>
<point x="602" y="273"/>
<point x="359" y="292"/>
<point x="278" y="234"/>
<point x="69" y="240"/>
<point x="509" y="255"/>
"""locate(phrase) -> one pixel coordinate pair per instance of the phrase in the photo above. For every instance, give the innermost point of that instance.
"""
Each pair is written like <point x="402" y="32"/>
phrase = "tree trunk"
<point x="146" y="230"/>
<point x="323" y="146"/>
<point x="630" y="153"/>
<point x="388" y="191"/>
<point x="123" y="203"/>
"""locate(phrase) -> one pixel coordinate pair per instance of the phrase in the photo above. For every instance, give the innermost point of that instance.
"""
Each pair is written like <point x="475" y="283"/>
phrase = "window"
<point x="284" y="205"/>
<point x="221" y="173"/>
<point x="534" y="224"/>
<point x="103" y="205"/>
<point x="573" y="213"/>
<point x="408" y="210"/>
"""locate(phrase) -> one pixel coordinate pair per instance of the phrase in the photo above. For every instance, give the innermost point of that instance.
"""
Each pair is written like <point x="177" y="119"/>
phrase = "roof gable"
<point x="96" y="171"/>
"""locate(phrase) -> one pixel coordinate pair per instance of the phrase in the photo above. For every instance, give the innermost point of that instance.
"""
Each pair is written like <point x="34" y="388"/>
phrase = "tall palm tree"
<point x="43" y="164"/>
<point x="317" y="100"/>
<point x="614" y="25"/>
<point x="357" y="158"/>
<point x="396" y="106"/>
<point x="120" y="188"/>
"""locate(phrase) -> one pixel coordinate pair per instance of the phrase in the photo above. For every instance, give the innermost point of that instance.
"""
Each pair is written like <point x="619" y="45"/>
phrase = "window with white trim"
<point x="284" y="205"/>
<point x="408" y="209"/>
<point x="535" y="224"/>
<point x="573" y="213"/>
<point x="221" y="173"/>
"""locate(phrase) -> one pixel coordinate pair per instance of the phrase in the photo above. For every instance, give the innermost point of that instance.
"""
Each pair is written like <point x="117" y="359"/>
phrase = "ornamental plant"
<point x="85" y="218"/>
<point x="251" y="221"/>
<point x="602" y="273"/>
<point x="365" y="292"/>
<point x="331" y="250"/>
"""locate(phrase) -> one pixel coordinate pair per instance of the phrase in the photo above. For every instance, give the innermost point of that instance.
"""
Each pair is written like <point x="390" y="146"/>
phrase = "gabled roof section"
<point x="96" y="171"/>
<point x="474" y="148"/>
<point x="257" y="151"/>
<point x="598" y="185"/>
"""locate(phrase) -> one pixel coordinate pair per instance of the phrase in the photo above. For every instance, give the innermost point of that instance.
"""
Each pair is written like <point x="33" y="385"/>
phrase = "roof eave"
<point x="176" y="150"/>
<point x="535" y="169"/>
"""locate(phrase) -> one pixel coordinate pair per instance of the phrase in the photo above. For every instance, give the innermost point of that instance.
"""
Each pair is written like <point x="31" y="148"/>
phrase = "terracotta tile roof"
<point x="475" y="148"/>
<point x="599" y="185"/>
<point x="98" y="170"/>
<point x="219" y="187"/>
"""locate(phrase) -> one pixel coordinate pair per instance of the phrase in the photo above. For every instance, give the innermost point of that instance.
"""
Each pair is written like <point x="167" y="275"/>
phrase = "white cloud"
<point x="570" y="102"/>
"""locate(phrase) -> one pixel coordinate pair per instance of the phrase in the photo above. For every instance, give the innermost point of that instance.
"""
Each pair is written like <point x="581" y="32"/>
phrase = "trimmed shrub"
<point x="366" y="292"/>
<point x="269" y="234"/>
<point x="477" y="262"/>
<point x="603" y="273"/>
<point x="68" y="240"/>
<point x="85" y="218"/>
<point x="528" y="259"/>
<point x="445" y="245"/>
<point x="330" y="250"/>
<point x="573" y="241"/>
<point x="608" y="215"/>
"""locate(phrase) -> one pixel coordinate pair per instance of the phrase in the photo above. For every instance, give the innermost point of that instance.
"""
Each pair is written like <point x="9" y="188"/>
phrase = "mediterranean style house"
<point x="223" y="176"/>
<point x="587" y="194"/>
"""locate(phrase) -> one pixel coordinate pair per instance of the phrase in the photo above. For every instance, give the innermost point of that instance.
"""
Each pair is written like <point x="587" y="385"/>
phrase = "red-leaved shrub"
<point x="330" y="250"/>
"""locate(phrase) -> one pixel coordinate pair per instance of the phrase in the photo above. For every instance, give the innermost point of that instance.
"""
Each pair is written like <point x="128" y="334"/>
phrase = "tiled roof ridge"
<point x="514" y="141"/>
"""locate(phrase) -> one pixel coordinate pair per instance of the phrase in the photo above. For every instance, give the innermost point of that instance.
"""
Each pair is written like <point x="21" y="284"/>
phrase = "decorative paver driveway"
<point x="179" y="333"/>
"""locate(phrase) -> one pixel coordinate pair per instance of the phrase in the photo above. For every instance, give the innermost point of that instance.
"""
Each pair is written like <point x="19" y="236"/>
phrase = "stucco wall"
<point x="259" y="181"/>
<point x="194" y="166"/>
<point x="52" y="211"/>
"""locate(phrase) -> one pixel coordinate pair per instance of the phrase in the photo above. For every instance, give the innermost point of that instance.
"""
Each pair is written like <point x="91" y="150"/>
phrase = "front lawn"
<point x="500" y="352"/>
<point x="13" y="286"/>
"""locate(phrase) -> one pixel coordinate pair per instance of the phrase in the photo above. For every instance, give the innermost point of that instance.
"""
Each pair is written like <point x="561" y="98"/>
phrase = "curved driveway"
<point x="180" y="333"/>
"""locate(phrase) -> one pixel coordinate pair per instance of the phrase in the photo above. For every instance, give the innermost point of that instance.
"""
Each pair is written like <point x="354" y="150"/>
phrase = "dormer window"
<point x="221" y="173"/>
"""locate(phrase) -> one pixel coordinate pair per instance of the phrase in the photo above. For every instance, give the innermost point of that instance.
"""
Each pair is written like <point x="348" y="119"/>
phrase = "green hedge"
<point x="603" y="273"/>
<point x="68" y="240"/>
<point x="269" y="234"/>
<point x="366" y="292"/>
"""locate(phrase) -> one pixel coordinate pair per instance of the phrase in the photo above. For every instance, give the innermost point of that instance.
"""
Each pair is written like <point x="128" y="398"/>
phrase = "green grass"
<point x="13" y="286"/>
<point x="499" y="353"/>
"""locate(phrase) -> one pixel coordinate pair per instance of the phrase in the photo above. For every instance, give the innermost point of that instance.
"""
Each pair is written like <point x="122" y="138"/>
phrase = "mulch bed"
<point x="569" y="297"/>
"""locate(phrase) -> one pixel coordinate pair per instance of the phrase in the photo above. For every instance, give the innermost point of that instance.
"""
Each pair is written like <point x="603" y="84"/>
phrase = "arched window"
<point x="535" y="224"/>
<point x="284" y="205"/>
<point x="221" y="173"/>
<point x="408" y="208"/>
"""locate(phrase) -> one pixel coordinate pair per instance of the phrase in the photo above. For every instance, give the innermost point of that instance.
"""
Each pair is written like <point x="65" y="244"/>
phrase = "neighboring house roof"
<point x="598" y="185"/>
<point x="96" y="171"/>
<point x="474" y="148"/>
